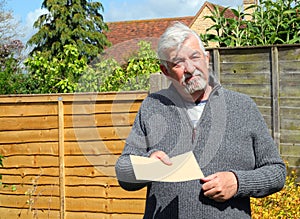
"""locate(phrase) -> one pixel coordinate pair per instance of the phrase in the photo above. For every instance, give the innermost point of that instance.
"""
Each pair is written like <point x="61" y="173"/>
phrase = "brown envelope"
<point x="184" y="167"/>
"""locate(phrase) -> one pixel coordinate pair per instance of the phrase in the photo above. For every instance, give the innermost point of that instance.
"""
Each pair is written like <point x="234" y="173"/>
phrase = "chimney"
<point x="246" y="4"/>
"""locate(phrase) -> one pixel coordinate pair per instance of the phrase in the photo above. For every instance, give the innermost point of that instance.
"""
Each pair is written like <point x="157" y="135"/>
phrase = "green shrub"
<point x="58" y="74"/>
<point x="109" y="75"/>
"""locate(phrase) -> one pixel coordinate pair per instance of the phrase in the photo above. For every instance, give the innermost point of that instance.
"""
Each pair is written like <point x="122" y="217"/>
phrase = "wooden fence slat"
<point x="101" y="133"/>
<point x="10" y="213"/>
<point x="91" y="160"/>
<point x="21" y="109"/>
<point x="28" y="123"/>
<point x="289" y="90"/>
<point x="106" y="205"/>
<point x="89" y="181"/>
<point x="27" y="136"/>
<point x="245" y="79"/>
<point x="30" y="161"/>
<point x="240" y="68"/>
<point x="251" y="90"/>
<point x="97" y="215"/>
<point x="289" y="149"/>
<point x="103" y="192"/>
<point x="38" y="202"/>
<point x="94" y="147"/>
<point x="26" y="171"/>
<point x="290" y="136"/>
<point x="32" y="148"/>
<point x="100" y="120"/>
<point x="30" y="180"/>
<point x="22" y="190"/>
<point x="79" y="108"/>
<point x="289" y="105"/>
<point x="88" y="171"/>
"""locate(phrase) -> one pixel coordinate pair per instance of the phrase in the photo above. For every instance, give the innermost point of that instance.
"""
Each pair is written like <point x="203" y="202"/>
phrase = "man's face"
<point x="189" y="66"/>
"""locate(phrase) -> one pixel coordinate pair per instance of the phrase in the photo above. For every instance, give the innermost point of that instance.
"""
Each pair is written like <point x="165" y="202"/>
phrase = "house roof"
<point x="128" y="30"/>
<point x="125" y="35"/>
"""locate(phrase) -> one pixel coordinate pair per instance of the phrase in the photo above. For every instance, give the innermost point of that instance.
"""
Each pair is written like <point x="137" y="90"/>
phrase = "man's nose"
<point x="189" y="66"/>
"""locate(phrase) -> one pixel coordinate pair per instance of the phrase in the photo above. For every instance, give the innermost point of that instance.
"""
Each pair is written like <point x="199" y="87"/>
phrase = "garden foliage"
<point x="280" y="205"/>
<point x="58" y="74"/>
<point x="109" y="75"/>
<point x="273" y="22"/>
<point x="68" y="72"/>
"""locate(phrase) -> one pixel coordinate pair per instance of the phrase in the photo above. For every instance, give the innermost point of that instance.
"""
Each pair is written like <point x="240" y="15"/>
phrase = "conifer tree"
<point x="70" y="22"/>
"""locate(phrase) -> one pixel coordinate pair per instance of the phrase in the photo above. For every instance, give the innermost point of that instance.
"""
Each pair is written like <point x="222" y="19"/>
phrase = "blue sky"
<point x="27" y="11"/>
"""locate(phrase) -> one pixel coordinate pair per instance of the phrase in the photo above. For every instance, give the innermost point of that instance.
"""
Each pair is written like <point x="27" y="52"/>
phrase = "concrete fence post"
<point x="158" y="81"/>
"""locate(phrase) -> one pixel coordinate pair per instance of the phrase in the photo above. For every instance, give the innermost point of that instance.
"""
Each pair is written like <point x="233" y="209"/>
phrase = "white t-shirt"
<point x="195" y="110"/>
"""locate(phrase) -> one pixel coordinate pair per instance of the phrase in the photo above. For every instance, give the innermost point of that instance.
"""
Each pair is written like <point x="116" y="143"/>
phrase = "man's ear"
<point x="207" y="55"/>
<point x="164" y="70"/>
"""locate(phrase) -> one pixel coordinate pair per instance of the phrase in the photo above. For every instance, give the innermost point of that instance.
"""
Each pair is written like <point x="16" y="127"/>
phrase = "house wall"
<point x="201" y="24"/>
<point x="248" y="3"/>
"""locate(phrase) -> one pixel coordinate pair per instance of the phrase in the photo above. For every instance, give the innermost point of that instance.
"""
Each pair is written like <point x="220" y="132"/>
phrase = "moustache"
<point x="187" y="76"/>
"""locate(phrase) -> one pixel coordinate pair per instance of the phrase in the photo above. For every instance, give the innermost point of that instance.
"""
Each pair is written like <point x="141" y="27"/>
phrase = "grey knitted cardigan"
<point x="231" y="135"/>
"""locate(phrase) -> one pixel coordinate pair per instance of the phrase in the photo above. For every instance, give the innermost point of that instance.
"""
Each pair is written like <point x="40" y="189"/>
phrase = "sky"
<point x="27" y="11"/>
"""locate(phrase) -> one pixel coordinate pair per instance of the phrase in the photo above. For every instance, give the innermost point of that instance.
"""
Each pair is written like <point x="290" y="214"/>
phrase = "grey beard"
<point x="196" y="84"/>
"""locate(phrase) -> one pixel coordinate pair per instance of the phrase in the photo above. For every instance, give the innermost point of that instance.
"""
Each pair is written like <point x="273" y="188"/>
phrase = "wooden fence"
<point x="60" y="150"/>
<point x="271" y="76"/>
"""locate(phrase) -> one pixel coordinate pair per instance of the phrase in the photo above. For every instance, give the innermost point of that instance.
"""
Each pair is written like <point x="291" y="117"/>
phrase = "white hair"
<point x="173" y="38"/>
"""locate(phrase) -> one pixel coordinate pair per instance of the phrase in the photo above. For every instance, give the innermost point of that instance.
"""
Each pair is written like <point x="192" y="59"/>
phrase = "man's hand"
<point x="220" y="186"/>
<point x="161" y="156"/>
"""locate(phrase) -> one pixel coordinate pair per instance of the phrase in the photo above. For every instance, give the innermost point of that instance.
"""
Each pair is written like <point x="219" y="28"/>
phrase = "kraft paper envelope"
<point x="184" y="167"/>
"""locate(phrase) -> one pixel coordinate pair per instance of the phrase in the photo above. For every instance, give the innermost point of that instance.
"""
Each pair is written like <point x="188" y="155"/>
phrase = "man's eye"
<point x="196" y="57"/>
<point x="178" y="63"/>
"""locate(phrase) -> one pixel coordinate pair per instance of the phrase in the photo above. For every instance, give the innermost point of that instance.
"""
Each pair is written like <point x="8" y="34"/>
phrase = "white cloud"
<point x="27" y="29"/>
<point x="30" y="19"/>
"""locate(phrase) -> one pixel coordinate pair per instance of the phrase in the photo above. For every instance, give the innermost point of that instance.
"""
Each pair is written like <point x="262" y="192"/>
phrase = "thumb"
<point x="162" y="156"/>
<point x="166" y="160"/>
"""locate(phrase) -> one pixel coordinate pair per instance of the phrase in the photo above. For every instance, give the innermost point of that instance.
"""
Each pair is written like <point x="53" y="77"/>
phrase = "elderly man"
<point x="224" y="129"/>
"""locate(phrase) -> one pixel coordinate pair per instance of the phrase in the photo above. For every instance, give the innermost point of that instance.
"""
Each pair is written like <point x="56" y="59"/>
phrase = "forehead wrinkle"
<point x="190" y="52"/>
<point x="176" y="53"/>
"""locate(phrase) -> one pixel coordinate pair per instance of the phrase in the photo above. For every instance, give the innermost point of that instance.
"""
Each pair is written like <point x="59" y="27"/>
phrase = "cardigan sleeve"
<point x="157" y="126"/>
<point x="269" y="173"/>
<point x="136" y="144"/>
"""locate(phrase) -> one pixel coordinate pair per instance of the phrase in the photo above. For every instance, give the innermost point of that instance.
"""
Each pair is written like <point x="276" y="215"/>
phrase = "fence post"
<point x="61" y="153"/>
<point x="216" y="63"/>
<point x="158" y="81"/>
<point x="275" y="95"/>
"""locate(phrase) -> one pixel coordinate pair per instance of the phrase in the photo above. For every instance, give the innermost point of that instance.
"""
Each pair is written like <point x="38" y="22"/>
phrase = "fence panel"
<point x="60" y="152"/>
